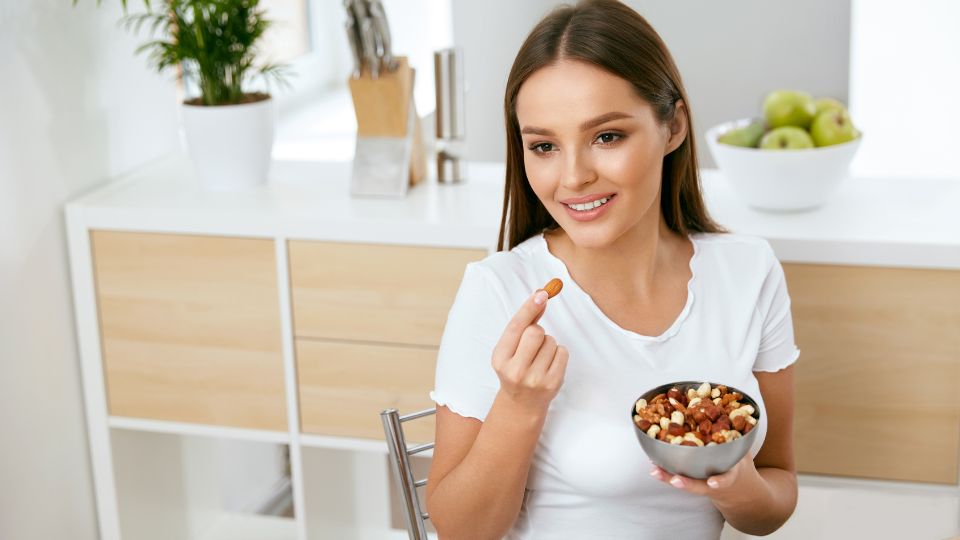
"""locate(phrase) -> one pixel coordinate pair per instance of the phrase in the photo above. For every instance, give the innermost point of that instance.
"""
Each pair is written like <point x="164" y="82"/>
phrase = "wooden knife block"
<point x="382" y="107"/>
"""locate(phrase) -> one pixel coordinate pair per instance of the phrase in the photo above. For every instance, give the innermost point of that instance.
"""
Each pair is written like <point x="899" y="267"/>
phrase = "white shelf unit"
<point x="170" y="480"/>
<point x="178" y="486"/>
<point x="243" y="527"/>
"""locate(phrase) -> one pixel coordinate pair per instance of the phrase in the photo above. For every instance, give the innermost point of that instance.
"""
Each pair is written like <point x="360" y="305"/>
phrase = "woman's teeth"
<point x="588" y="206"/>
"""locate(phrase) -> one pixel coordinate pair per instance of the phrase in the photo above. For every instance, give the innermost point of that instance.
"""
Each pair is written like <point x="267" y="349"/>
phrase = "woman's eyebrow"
<point x="602" y="119"/>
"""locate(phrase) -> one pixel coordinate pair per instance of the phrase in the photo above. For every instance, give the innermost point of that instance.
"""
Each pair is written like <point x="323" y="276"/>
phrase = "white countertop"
<point x="887" y="222"/>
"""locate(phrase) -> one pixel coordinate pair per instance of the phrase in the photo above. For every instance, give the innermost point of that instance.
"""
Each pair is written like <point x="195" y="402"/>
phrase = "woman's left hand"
<point x="733" y="485"/>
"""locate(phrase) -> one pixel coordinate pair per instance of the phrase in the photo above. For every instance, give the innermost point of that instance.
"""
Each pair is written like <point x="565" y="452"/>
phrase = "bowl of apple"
<point x="793" y="158"/>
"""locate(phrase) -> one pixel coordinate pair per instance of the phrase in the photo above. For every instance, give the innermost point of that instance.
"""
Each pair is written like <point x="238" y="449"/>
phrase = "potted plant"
<point x="212" y="45"/>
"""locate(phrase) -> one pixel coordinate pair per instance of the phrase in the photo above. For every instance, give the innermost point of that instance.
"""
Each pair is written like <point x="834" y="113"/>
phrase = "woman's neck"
<point x="632" y="266"/>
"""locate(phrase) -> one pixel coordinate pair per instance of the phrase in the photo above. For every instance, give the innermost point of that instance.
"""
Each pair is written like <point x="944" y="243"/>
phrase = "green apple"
<point x="789" y="108"/>
<point x="786" y="138"/>
<point x="825" y="104"/>
<point x="747" y="136"/>
<point x="833" y="127"/>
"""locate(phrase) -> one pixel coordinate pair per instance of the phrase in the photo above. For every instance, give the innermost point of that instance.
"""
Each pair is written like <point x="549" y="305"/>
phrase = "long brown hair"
<point x="614" y="37"/>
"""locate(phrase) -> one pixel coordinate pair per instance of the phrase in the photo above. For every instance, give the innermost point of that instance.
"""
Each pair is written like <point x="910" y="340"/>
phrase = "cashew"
<point x="654" y="429"/>
<point x="689" y="436"/>
<point x="664" y="422"/>
<point x="715" y="393"/>
<point x="691" y="393"/>
<point x="730" y="434"/>
<point x="677" y="417"/>
<point x="704" y="390"/>
<point x="641" y="403"/>
<point x="752" y="420"/>
<point x="676" y="440"/>
<point x="693" y="402"/>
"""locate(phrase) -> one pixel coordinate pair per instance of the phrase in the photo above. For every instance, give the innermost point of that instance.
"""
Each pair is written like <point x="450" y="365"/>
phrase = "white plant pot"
<point x="230" y="145"/>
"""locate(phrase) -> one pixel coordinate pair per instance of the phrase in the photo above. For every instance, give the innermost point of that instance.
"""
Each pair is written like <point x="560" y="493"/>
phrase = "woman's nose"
<point x="578" y="171"/>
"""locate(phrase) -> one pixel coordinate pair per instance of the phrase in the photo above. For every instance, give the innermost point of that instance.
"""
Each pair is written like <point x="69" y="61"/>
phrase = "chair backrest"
<point x="400" y="463"/>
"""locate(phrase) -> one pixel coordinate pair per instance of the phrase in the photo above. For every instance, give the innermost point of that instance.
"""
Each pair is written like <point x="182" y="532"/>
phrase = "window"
<point x="904" y="83"/>
<point x="289" y="35"/>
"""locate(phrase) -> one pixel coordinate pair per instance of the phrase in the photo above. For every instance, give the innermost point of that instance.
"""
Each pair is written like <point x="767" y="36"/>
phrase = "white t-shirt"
<point x="589" y="478"/>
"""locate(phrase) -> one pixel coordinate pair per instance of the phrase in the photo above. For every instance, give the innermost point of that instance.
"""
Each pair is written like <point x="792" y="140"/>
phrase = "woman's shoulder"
<point x="735" y="249"/>
<point x="505" y="264"/>
<point x="509" y="271"/>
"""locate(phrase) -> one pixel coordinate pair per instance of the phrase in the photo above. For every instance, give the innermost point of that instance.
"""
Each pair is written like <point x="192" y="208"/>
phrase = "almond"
<point x="553" y="287"/>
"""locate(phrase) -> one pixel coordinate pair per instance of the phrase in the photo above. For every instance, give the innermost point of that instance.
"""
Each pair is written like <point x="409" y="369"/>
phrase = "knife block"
<point x="390" y="154"/>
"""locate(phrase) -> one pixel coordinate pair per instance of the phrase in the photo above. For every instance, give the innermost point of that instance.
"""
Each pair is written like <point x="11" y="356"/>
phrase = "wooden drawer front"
<point x="190" y="328"/>
<point x="878" y="381"/>
<point x="363" y="292"/>
<point x="344" y="386"/>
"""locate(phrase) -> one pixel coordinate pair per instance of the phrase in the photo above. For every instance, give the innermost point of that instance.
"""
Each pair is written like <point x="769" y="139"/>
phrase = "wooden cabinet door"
<point x="344" y="386"/>
<point x="190" y="328"/>
<point x="379" y="293"/>
<point x="878" y="380"/>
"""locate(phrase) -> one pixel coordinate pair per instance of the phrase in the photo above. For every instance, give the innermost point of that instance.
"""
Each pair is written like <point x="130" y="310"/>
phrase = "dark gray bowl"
<point x="695" y="461"/>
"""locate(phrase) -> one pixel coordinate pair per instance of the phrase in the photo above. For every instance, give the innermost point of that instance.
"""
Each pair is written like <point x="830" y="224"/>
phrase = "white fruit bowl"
<point x="781" y="180"/>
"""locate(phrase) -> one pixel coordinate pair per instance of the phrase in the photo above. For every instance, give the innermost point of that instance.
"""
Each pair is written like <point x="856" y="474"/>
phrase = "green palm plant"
<point x="214" y="42"/>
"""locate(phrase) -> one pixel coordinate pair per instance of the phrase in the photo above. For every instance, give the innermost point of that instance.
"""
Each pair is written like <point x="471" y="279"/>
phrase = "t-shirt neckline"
<point x="671" y="331"/>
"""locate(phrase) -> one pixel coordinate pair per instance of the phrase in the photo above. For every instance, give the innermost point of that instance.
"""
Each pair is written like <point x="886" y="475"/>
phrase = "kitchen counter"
<point x="871" y="222"/>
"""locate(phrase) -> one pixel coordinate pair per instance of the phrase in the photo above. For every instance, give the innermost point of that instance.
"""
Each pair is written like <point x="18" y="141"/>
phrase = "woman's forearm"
<point x="481" y="497"/>
<point x="767" y="507"/>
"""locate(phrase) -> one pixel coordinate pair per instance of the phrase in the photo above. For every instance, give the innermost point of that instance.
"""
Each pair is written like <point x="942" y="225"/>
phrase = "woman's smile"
<point x="589" y="210"/>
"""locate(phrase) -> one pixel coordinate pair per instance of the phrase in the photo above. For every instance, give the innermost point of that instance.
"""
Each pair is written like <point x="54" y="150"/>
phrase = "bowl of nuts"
<point x="695" y="429"/>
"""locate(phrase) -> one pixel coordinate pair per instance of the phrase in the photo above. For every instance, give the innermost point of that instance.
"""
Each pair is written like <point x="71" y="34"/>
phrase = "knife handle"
<point x="379" y="16"/>
<point x="355" y="52"/>
<point x="370" y="47"/>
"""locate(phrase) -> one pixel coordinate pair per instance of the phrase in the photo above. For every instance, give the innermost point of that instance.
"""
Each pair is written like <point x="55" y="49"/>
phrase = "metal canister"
<point x="450" y="114"/>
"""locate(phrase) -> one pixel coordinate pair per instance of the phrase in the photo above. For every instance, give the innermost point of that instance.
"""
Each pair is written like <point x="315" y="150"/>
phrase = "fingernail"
<point x="540" y="297"/>
<point x="676" y="481"/>
<point x="655" y="473"/>
<point x="712" y="483"/>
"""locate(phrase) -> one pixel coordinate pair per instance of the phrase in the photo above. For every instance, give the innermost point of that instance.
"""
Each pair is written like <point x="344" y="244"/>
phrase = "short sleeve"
<point x="777" y="346"/>
<point x="465" y="380"/>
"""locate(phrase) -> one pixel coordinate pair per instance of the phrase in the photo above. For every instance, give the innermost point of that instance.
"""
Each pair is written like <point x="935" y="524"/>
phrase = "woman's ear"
<point x="678" y="127"/>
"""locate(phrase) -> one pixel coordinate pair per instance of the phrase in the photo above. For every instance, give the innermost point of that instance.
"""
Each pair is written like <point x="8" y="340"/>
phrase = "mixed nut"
<point x="695" y="416"/>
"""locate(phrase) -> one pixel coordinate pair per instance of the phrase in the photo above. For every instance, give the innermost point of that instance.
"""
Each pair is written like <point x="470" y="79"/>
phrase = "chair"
<point x="400" y="463"/>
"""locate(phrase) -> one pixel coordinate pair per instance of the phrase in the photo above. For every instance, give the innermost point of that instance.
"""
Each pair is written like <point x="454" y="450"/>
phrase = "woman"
<point x="532" y="437"/>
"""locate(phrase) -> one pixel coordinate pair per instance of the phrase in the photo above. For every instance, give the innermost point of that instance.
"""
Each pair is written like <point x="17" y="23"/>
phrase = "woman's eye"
<point x="608" y="138"/>
<point x="541" y="148"/>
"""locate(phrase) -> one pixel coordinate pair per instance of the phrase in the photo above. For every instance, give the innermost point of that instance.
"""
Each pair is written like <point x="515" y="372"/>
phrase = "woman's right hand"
<point x="529" y="363"/>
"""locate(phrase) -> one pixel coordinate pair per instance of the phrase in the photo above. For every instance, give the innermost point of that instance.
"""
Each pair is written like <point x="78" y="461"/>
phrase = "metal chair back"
<point x="400" y="463"/>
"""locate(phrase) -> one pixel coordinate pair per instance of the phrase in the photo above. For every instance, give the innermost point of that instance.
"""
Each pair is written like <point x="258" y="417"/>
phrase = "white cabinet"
<point x="228" y="337"/>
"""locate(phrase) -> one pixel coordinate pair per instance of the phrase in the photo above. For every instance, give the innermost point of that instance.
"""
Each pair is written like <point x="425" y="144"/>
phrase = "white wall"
<point x="730" y="55"/>
<point x="417" y="28"/>
<point x="76" y="107"/>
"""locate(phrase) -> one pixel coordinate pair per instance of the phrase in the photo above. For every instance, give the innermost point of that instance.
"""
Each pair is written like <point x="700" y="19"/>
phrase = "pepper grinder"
<point x="450" y="114"/>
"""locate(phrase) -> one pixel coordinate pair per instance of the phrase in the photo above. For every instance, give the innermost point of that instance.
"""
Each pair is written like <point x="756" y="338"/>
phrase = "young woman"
<point x="533" y="439"/>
